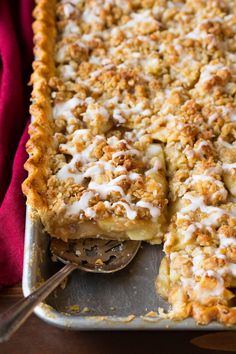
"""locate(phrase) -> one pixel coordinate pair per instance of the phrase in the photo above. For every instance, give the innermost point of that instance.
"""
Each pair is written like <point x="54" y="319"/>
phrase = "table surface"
<point x="37" y="337"/>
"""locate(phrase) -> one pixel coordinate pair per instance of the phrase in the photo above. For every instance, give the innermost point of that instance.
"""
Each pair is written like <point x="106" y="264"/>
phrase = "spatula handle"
<point x="16" y="315"/>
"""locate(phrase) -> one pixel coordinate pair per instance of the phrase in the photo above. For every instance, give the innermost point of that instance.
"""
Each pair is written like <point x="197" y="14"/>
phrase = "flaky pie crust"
<point x="40" y="144"/>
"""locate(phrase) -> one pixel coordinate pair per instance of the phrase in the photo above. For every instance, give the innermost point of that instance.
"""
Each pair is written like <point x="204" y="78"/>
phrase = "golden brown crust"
<point x="40" y="144"/>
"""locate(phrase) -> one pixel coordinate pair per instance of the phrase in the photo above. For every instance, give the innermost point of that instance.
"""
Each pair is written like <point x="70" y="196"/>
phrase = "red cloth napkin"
<point x="15" y="66"/>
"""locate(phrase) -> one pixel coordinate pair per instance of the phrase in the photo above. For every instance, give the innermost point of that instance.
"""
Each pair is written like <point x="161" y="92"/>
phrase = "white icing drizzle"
<point x="226" y="144"/>
<point x="68" y="72"/>
<point x="188" y="233"/>
<point x="138" y="19"/>
<point x="133" y="176"/>
<point x="91" y="168"/>
<point x="227" y="241"/>
<point x="122" y="110"/>
<point x="82" y="205"/>
<point x="197" y="34"/>
<point x="198" y="203"/>
<point x="64" y="109"/>
<point x="157" y="166"/>
<point x="213" y="117"/>
<point x="208" y="73"/>
<point x="197" y="264"/>
<point x="93" y="111"/>
<point x="61" y="53"/>
<point x="200" y="292"/>
<point x="71" y="29"/>
<point x="154" y="211"/>
<point x="125" y="153"/>
<point x="84" y="157"/>
<point x="98" y="72"/>
<point x="223" y="111"/>
<point x="198" y="148"/>
<point x="233" y="115"/>
<point x="131" y="214"/>
<point x="104" y="189"/>
<point x="68" y="171"/>
<point x="68" y="10"/>
<point x="99" y="60"/>
<point x="201" y="178"/>
<point x="203" y="293"/>
<point x="229" y="166"/>
<point x="91" y="15"/>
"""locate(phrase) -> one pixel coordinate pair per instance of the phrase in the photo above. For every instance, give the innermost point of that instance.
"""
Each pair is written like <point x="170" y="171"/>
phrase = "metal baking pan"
<point x="90" y="301"/>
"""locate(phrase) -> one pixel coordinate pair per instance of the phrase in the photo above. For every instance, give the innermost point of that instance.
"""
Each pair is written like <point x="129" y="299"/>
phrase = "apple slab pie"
<point x="133" y="136"/>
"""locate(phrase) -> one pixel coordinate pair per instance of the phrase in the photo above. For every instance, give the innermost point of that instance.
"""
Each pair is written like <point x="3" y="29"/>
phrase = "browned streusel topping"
<point x="103" y="104"/>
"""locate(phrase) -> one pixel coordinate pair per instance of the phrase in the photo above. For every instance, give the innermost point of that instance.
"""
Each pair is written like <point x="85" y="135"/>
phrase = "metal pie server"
<point x="90" y="255"/>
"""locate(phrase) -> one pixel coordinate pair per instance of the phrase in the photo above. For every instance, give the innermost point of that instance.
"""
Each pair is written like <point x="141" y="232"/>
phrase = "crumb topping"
<point x="103" y="99"/>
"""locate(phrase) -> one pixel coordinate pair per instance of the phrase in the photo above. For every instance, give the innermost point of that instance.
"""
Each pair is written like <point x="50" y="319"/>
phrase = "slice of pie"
<point x="94" y="168"/>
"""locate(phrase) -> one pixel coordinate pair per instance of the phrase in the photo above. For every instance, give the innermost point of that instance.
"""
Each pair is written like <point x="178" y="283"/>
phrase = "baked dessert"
<point x="100" y="172"/>
<point x="133" y="104"/>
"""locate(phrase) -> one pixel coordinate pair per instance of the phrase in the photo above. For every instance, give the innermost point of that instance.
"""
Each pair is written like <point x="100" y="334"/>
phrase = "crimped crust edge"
<point x="40" y="144"/>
